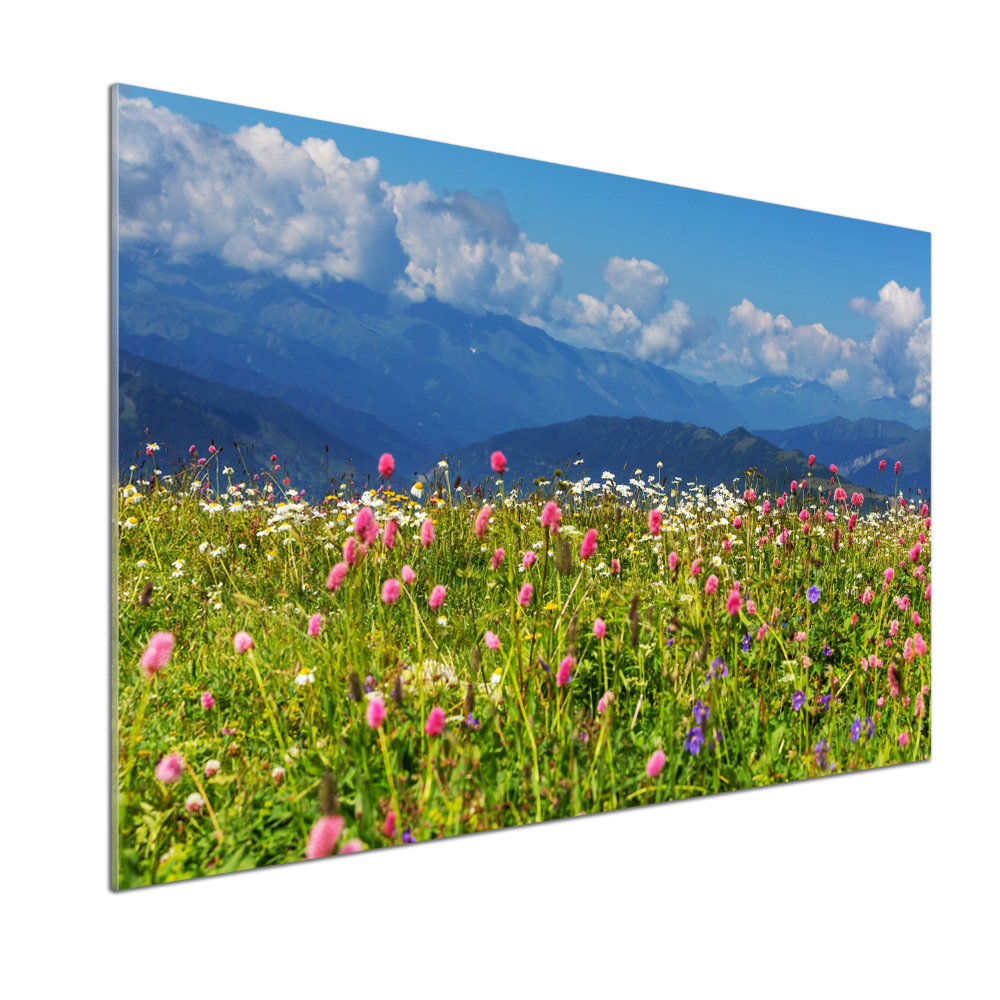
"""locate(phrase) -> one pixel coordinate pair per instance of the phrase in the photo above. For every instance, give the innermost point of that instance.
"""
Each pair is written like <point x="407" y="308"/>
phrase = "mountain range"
<point x="207" y="350"/>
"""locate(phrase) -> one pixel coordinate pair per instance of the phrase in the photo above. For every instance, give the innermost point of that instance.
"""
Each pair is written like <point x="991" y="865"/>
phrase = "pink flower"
<point x="795" y="485"/>
<point x="496" y="558"/>
<point x="711" y="584"/>
<point x="323" y="836"/>
<point x="550" y="517"/>
<point x="800" y="637"/>
<point x="375" y="712"/>
<point x="866" y="597"/>
<point x="386" y="465"/>
<point x="655" y="522"/>
<point x="927" y="593"/>
<point x="897" y="467"/>
<point x="192" y="450"/>
<point x="390" y="591"/>
<point x="437" y="597"/>
<point x="918" y="708"/>
<point x="893" y="627"/>
<point x="427" y="533"/>
<point x="336" y="577"/>
<point x="781" y="501"/>
<point x="600" y="628"/>
<point x="212" y="767"/>
<point x="482" y="521"/>
<point x="435" y="722"/>
<point x="525" y="594"/>
<point x="655" y="763"/>
<point x="207" y="701"/>
<point x="157" y="654"/>
<point x="696" y="567"/>
<point x="589" y="544"/>
<point x="498" y="462"/>
<point x="605" y="702"/>
<point x="737" y="522"/>
<point x="389" y="533"/>
<point x="840" y="495"/>
<point x="170" y="768"/>
<point x="749" y="496"/>
<point x="893" y="680"/>
<point x="408" y="575"/>
<point x="904" y="738"/>
<point x="767" y="506"/>
<point x="888" y="575"/>
<point x="242" y="641"/>
<point x="616" y="566"/>
<point x="812" y="461"/>
<point x="529" y="559"/>
<point x="915" y="552"/>
<point x="350" y="551"/>
<point x="734" y="602"/>
<point x="278" y="775"/>
<point x="857" y="499"/>
<point x="833" y="469"/>
<point x="727" y="545"/>
<point x="672" y="561"/>
<point x="761" y="632"/>
<point x="389" y="826"/>
<point x="352" y="846"/>
<point x="365" y="526"/>
<point x="315" y="623"/>
<point x="562" y="677"/>
<point x="492" y="640"/>
<point x="919" y="646"/>
<point x="881" y="465"/>
<point x="751" y="607"/>
<point x="194" y="803"/>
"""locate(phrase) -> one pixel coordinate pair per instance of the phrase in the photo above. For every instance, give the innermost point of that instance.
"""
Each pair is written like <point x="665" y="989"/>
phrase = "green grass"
<point x="537" y="751"/>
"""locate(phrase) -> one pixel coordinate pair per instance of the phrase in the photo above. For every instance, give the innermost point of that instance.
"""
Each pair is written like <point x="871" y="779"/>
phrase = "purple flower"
<point x="827" y="651"/>
<point x="716" y="669"/>
<point x="813" y="593"/>
<point x="746" y="643"/>
<point x="694" y="740"/>
<point x="871" y="726"/>
<point x="700" y="713"/>
<point x="856" y="729"/>
<point x="825" y="701"/>
<point x="471" y="722"/>
<point x="798" y="700"/>
<point x="408" y="837"/>
<point x="821" y="759"/>
<point x="543" y="665"/>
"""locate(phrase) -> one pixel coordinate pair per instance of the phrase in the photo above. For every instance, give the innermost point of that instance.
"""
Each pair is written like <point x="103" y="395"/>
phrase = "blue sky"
<point x="717" y="251"/>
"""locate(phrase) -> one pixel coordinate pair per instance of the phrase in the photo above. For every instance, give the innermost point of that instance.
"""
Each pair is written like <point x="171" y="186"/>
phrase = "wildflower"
<point x="498" y="462"/>
<point x="194" y="803"/>
<point x="812" y="461"/>
<point x="352" y="846"/>
<point x="389" y="826"/>
<point x="908" y="650"/>
<point x="717" y="668"/>
<point x="242" y="642"/>
<point x="798" y="700"/>
<point x="888" y="575"/>
<point x="919" y="646"/>
<point x="605" y="702"/>
<point x="599" y="628"/>
<point x="305" y="676"/>
<point x="616" y="566"/>
<point x="881" y="466"/>
<point x="417" y="489"/>
<point x="820" y="750"/>
<point x="827" y="651"/>
<point x="169" y="769"/>
<point x="408" y="837"/>
<point x="712" y="584"/>
<point x="813" y="593"/>
<point x="350" y="551"/>
<point x="278" y="775"/>
<point x="323" y="836"/>
<point x="700" y="712"/>
<point x="437" y="597"/>
<point x="315" y="623"/>
<point x="894" y="627"/>
<point x="497" y="558"/>
<point x="207" y="701"/>
<point x="550" y="517"/>
<point x="915" y="552"/>
<point x="800" y="637"/>
<point x="482" y="520"/>
<point x="833" y="470"/>
<point x="866" y="597"/>
<point x="212" y="767"/>
<point x="904" y="738"/>
<point x="696" y="567"/>
<point x="857" y="500"/>
<point x="390" y="591"/>
<point x="897" y="467"/>
<point x="694" y="740"/>
<point x="749" y="496"/>
<point x="408" y="575"/>
<point x="918" y="708"/>
<point x="589" y="544"/>
<point x="427" y="533"/>
<point x="435" y="722"/>
<point x="525" y="594"/>
<point x="856" y="729"/>
<point x="562" y="676"/>
<point x="375" y="712"/>
<point x="157" y="654"/>
<point x="529" y="559"/>
<point x="386" y="465"/>
<point x="492" y="640"/>
<point x="655" y="763"/>
<point x="840" y="495"/>
<point x="894" y="680"/>
<point x="365" y="526"/>
<point x="655" y="522"/>
<point x="336" y="577"/>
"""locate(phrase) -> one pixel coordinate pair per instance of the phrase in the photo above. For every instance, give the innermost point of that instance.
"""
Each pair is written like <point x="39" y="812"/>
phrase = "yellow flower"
<point x="551" y="606"/>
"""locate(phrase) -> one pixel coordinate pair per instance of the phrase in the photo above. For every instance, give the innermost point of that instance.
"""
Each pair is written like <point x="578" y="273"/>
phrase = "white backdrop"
<point x="884" y="880"/>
